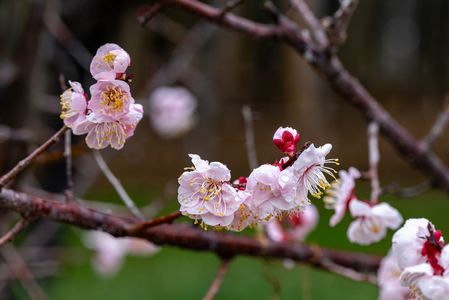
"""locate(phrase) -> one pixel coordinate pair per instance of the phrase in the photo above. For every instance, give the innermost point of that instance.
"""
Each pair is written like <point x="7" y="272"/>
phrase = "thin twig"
<point x="68" y="165"/>
<point x="27" y="160"/>
<point x="117" y="185"/>
<point x="438" y="127"/>
<point x="140" y="227"/>
<point x="20" y="270"/>
<point x="218" y="280"/>
<point x="249" y="137"/>
<point x="59" y="31"/>
<point x="230" y="5"/>
<point x="337" y="25"/>
<point x="149" y="12"/>
<point x="407" y="192"/>
<point x="373" y="146"/>
<point x="13" y="232"/>
<point x="348" y="272"/>
<point x="313" y="23"/>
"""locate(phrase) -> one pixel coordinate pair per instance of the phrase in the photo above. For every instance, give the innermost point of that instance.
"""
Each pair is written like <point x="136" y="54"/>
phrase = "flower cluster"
<point x="207" y="193"/>
<point x="110" y="116"/>
<point x="371" y="219"/>
<point x="172" y="111"/>
<point x="423" y="259"/>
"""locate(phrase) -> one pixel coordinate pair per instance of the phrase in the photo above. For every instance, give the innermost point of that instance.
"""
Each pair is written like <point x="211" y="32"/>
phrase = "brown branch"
<point x="181" y="235"/>
<point x="313" y="23"/>
<point x="27" y="160"/>
<point x="230" y="5"/>
<point x="330" y="68"/>
<point x="218" y="280"/>
<point x="337" y="25"/>
<point x="13" y="232"/>
<point x="140" y="227"/>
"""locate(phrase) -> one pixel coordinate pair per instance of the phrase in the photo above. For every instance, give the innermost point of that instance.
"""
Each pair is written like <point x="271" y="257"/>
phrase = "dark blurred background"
<point x="398" y="50"/>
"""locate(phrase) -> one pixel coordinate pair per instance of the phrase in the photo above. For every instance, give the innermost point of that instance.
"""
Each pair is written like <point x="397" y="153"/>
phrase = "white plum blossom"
<point x="73" y="104"/>
<point x="388" y="280"/>
<point x="423" y="259"/>
<point x="172" y="111"/>
<point x="286" y="139"/>
<point x="411" y="239"/>
<point x="371" y="221"/>
<point x="205" y="193"/>
<point x="295" y="227"/>
<point x="308" y="174"/>
<point x="434" y="287"/>
<point x="110" y="62"/>
<point x="341" y="193"/>
<point x="110" y="251"/>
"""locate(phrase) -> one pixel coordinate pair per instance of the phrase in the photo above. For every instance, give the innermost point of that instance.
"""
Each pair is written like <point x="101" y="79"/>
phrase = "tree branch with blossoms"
<point x="274" y="196"/>
<point x="327" y="65"/>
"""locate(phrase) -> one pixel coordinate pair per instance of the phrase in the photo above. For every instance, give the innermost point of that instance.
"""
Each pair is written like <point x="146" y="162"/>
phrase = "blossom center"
<point x="210" y="189"/>
<point x="109" y="58"/>
<point x="65" y="105"/>
<point x="113" y="99"/>
<point x="432" y="250"/>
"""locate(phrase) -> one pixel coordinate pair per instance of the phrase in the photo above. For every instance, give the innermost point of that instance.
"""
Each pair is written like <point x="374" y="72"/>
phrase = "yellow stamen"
<point x="109" y="58"/>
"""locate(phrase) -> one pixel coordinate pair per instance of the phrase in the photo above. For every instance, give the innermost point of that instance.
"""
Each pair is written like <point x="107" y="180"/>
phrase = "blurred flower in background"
<point x="110" y="251"/>
<point x="172" y="111"/>
<point x="295" y="227"/>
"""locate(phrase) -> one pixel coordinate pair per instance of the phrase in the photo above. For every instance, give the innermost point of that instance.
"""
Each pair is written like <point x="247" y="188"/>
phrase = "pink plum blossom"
<point x="111" y="115"/>
<point x="74" y="104"/>
<point x="110" y="100"/>
<point x="295" y="227"/>
<point x="101" y="134"/>
<point x="111" y="251"/>
<point x="205" y="193"/>
<point x="341" y="193"/>
<point x="267" y="199"/>
<point x="110" y="62"/>
<point x="286" y="139"/>
<point x="172" y="111"/>
<point x="371" y="221"/>
<point x="388" y="280"/>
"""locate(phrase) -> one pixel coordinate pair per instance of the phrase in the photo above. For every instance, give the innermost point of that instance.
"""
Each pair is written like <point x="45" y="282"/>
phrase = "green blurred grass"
<point x="181" y="274"/>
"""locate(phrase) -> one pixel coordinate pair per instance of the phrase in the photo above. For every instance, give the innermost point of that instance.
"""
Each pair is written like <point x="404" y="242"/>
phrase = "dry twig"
<point x="115" y="182"/>
<point x="373" y="147"/>
<point x="249" y="137"/>
<point x="13" y="232"/>
<point x="27" y="160"/>
<point x="218" y="280"/>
